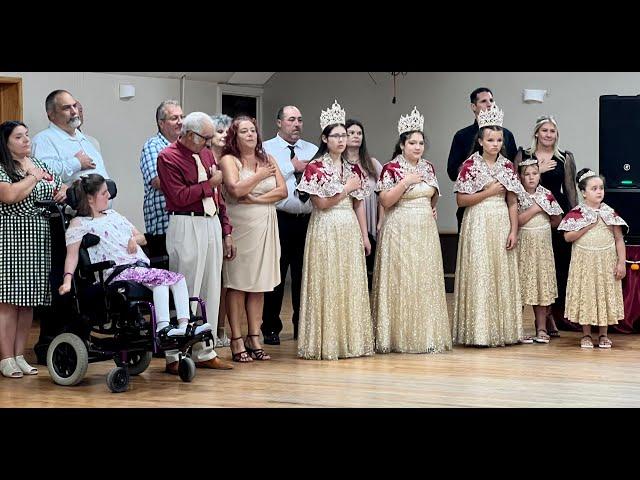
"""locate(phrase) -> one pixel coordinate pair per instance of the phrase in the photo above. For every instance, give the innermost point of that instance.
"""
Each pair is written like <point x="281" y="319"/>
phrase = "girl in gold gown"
<point x="487" y="309"/>
<point x="538" y="211"/>
<point x="594" y="289"/>
<point x="409" y="306"/>
<point x="335" y="317"/>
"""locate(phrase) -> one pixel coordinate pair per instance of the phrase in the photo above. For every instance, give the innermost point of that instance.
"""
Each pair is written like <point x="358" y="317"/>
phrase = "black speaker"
<point x="625" y="202"/>
<point x="619" y="141"/>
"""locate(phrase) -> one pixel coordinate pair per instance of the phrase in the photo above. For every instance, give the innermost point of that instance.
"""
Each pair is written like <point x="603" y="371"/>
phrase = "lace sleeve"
<point x="316" y="180"/>
<point x="75" y="232"/>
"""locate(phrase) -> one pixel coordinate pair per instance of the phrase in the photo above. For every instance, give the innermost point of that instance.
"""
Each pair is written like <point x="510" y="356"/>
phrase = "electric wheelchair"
<point x="105" y="320"/>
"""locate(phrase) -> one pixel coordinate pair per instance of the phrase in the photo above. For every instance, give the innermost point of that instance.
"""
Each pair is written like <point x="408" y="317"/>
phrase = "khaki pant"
<point x="194" y="245"/>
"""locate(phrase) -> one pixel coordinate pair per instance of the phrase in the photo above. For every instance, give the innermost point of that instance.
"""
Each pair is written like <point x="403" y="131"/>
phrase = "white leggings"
<point x="180" y="300"/>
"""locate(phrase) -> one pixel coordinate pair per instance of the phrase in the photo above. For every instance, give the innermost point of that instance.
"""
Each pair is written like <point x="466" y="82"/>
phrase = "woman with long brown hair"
<point x="253" y="184"/>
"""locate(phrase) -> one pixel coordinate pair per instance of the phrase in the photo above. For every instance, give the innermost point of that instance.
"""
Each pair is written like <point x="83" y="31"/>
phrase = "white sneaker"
<point x="171" y="332"/>
<point x="177" y="332"/>
<point x="205" y="327"/>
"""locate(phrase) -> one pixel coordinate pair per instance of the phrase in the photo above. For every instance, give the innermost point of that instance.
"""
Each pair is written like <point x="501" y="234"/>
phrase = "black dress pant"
<point x="156" y="245"/>
<point x="292" y="229"/>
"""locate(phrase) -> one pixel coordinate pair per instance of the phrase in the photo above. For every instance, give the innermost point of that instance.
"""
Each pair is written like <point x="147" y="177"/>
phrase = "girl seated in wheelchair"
<point x="120" y="242"/>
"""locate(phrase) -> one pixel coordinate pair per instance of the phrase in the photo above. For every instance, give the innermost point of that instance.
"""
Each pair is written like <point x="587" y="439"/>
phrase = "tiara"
<point x="411" y="123"/>
<point x="529" y="161"/>
<point x="587" y="174"/>
<point x="335" y="114"/>
<point x="490" y="117"/>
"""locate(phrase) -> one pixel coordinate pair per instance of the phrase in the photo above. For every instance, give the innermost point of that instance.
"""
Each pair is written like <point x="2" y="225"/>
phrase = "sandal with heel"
<point x="240" y="357"/>
<point x="9" y="368"/>
<point x="25" y="367"/>
<point x="256" y="353"/>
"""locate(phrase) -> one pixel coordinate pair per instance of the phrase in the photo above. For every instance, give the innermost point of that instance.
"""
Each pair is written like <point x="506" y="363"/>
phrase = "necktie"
<point x="302" y="196"/>
<point x="207" y="202"/>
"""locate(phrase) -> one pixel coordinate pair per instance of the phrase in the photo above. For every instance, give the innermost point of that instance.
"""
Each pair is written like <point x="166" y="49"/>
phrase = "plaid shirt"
<point x="156" y="219"/>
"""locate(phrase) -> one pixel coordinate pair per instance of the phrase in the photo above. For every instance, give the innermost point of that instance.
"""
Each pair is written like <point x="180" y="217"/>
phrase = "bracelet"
<point x="67" y="273"/>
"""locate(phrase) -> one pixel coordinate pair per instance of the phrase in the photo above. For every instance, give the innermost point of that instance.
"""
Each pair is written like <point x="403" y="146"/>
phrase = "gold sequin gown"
<point x="536" y="264"/>
<point x="335" y="317"/>
<point x="487" y="309"/>
<point x="409" y="304"/>
<point x="594" y="296"/>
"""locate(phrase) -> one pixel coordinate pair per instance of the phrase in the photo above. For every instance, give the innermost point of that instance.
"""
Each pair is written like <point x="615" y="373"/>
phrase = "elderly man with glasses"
<point x="198" y="228"/>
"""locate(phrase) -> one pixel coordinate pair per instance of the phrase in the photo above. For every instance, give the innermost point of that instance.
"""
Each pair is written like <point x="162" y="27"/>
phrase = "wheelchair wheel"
<point x="67" y="359"/>
<point x="118" y="380"/>
<point x="186" y="369"/>
<point x="138" y="362"/>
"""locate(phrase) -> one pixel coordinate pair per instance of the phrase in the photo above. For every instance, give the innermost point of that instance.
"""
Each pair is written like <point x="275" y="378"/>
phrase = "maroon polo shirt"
<point x="178" y="175"/>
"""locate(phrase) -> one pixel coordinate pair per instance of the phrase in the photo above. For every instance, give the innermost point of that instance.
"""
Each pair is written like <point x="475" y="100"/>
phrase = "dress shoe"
<point x="216" y="363"/>
<point x="271" y="338"/>
<point x="172" y="368"/>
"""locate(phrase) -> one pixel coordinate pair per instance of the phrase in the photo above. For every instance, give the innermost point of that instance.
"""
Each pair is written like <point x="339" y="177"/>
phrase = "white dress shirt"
<point x="279" y="149"/>
<point x="57" y="149"/>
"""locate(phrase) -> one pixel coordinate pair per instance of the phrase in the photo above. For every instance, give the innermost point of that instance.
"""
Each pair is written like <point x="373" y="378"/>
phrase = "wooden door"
<point x="10" y="98"/>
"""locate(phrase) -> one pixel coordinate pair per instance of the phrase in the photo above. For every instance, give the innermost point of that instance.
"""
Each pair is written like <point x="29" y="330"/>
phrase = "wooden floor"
<point x="556" y="375"/>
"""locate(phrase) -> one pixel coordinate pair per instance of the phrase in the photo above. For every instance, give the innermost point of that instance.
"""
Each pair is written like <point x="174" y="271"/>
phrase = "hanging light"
<point x="395" y="75"/>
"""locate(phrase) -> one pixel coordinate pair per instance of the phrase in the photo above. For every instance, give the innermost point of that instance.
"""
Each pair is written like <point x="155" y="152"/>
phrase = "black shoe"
<point x="271" y="338"/>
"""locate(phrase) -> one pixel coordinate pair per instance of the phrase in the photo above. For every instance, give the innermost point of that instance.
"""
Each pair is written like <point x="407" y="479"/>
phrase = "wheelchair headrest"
<point x="89" y="240"/>
<point x="72" y="201"/>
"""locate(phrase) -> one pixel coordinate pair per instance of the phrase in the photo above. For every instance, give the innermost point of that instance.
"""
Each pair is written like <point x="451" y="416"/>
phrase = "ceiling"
<point x="237" y="78"/>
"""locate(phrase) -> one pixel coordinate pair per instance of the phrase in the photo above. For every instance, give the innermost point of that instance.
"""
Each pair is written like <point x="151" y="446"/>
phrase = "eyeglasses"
<point x="338" y="136"/>
<point x="206" y="139"/>
<point x="357" y="133"/>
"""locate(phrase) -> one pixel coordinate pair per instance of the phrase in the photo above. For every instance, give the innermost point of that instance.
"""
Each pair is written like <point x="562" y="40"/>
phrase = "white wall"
<point x="200" y="97"/>
<point x="121" y="126"/>
<point x="443" y="98"/>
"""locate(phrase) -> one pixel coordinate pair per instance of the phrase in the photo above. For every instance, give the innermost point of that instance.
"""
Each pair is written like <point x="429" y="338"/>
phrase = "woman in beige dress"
<point x="487" y="309"/>
<point x="335" y="316"/>
<point x="598" y="257"/>
<point x="409" y="305"/>
<point x="252" y="185"/>
<point x="538" y="211"/>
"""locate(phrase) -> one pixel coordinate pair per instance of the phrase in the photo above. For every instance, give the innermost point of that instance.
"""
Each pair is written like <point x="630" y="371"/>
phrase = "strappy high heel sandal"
<point x="9" y="368"/>
<point x="240" y="357"/>
<point x="25" y="367"/>
<point x="256" y="353"/>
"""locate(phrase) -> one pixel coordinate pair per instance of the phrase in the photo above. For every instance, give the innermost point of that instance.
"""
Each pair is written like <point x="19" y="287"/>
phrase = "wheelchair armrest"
<point x="100" y="266"/>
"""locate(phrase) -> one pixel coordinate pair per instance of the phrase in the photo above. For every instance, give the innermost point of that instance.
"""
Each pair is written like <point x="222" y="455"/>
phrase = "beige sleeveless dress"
<point x="256" y="267"/>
